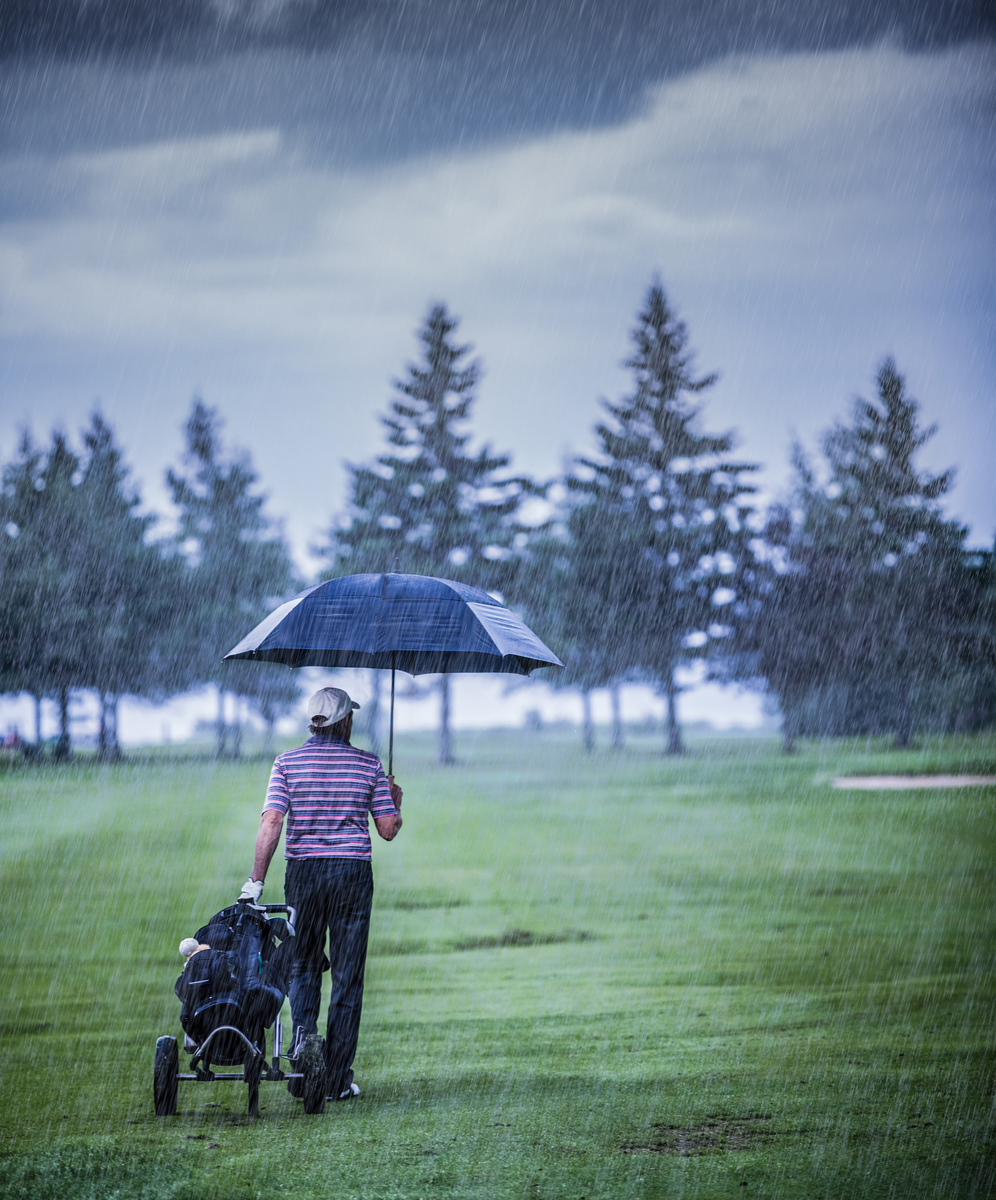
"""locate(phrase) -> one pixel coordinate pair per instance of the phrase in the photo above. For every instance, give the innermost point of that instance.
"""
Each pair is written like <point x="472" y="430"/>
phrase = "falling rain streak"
<point x="665" y="325"/>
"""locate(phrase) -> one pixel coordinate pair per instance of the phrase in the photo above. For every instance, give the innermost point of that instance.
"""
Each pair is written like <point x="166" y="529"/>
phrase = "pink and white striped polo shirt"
<point x="326" y="788"/>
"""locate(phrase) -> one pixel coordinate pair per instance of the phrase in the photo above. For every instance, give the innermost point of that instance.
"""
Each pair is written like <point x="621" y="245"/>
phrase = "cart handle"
<point x="284" y="908"/>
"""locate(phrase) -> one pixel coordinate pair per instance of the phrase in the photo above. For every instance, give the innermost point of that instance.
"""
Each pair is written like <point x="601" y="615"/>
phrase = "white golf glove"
<point x="252" y="889"/>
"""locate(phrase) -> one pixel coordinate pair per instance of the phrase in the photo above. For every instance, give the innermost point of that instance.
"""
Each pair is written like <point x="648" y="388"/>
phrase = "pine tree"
<point x="19" y="668"/>
<point x="867" y="616"/>
<point x="45" y="618"/>
<point x="657" y="538"/>
<point x="429" y="506"/>
<point x="135" y="591"/>
<point x="559" y="585"/>
<point x="87" y="602"/>
<point x="241" y="568"/>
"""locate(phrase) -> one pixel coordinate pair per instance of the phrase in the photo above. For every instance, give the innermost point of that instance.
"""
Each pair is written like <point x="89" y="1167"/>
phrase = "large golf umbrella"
<point x="410" y="623"/>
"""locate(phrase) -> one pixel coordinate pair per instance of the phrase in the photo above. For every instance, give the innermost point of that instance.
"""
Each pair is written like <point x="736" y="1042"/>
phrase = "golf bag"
<point x="241" y="981"/>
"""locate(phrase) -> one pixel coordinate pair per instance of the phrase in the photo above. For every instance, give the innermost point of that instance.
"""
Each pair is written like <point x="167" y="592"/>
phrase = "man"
<point x="326" y="788"/>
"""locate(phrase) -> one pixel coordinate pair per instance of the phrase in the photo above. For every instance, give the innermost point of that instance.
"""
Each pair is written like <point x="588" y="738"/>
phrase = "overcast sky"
<point x="258" y="203"/>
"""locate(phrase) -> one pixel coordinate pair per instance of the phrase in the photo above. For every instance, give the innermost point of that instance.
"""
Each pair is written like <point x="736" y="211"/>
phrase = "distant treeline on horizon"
<point x="855" y="603"/>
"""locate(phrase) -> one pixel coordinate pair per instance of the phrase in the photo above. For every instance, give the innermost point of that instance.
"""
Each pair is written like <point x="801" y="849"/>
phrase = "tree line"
<point x="93" y="601"/>
<point x="854" y="601"/>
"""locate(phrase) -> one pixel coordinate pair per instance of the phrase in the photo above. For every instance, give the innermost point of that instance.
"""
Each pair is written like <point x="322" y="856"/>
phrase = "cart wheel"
<point x="312" y="1062"/>
<point x="167" y="1070"/>
<point x="253" y="1073"/>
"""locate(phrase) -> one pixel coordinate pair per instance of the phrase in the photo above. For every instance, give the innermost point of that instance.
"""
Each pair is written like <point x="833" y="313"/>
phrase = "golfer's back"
<point x="327" y="789"/>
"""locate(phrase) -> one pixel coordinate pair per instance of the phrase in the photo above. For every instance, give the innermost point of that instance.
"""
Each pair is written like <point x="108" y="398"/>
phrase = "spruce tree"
<point x="870" y="612"/>
<point x="565" y="595"/>
<point x="429" y="505"/>
<point x="135" y="591"/>
<point x="87" y="601"/>
<point x="241" y="568"/>
<point x="45" y="617"/>
<point x="20" y="669"/>
<point x="657" y="540"/>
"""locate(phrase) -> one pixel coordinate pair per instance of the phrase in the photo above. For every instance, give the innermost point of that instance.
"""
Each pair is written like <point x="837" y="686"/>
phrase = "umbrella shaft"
<point x="390" y="744"/>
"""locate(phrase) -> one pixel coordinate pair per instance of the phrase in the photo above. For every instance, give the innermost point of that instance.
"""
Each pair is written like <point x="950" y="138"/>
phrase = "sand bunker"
<point x="886" y="783"/>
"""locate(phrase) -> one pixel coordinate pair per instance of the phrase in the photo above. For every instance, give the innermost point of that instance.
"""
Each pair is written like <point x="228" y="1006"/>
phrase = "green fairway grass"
<point x="608" y="975"/>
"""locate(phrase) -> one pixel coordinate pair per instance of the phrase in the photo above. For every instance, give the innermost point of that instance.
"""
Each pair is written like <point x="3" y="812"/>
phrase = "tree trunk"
<point x="235" y="731"/>
<point x="112" y="709"/>
<point x="904" y="725"/>
<point x="63" y="747"/>
<point x="788" y="732"/>
<point x="35" y="750"/>
<point x="445" y="736"/>
<point x="268" y="736"/>
<point x="618" y="741"/>
<point x="674" y="743"/>
<point x="102" y="735"/>
<point x="222" y="738"/>
<point x="588" y="724"/>
<point x="108" y="747"/>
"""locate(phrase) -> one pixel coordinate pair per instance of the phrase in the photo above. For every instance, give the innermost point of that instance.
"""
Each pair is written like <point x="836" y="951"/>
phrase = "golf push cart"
<point x="231" y="991"/>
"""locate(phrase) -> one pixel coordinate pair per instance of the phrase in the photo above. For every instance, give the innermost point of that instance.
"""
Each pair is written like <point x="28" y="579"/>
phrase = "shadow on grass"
<point x="511" y="938"/>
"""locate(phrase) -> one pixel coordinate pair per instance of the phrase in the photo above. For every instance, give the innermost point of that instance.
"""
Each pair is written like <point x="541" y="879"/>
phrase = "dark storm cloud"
<point x="136" y="29"/>
<point x="368" y="79"/>
<point x="638" y="28"/>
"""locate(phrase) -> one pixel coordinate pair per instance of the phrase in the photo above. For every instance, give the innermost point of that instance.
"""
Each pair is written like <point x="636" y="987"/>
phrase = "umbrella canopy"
<point x="414" y="623"/>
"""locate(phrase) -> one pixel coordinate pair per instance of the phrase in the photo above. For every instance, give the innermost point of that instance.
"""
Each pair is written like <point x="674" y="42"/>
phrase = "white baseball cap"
<point x="331" y="703"/>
